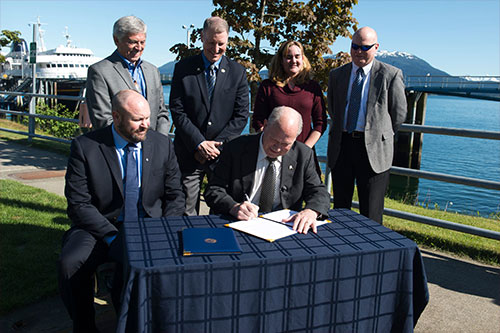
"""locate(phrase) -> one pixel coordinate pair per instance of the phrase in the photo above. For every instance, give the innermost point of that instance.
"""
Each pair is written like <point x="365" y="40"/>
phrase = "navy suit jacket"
<point x="195" y="118"/>
<point x="234" y="174"/>
<point x="94" y="186"/>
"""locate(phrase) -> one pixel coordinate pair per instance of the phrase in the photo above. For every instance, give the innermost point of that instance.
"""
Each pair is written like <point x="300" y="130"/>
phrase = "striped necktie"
<point x="211" y="76"/>
<point x="355" y="101"/>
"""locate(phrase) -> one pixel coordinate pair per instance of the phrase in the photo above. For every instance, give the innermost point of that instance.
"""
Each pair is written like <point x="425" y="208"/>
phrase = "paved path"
<point x="464" y="295"/>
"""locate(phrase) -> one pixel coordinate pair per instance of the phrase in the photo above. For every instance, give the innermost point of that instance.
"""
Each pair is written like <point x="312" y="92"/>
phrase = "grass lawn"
<point x="32" y="222"/>
<point x="49" y="145"/>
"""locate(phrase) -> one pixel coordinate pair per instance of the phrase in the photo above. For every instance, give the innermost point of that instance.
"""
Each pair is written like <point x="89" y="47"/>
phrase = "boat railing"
<point x="488" y="184"/>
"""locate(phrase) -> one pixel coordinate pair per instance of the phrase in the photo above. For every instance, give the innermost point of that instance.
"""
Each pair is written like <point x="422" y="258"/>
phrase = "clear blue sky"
<point x="459" y="37"/>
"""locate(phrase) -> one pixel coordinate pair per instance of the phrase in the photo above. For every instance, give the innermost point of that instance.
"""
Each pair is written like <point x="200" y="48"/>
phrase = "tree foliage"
<point x="260" y="26"/>
<point x="7" y="37"/>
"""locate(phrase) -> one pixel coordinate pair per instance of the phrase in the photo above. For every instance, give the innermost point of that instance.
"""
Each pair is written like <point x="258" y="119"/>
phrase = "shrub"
<point x="57" y="128"/>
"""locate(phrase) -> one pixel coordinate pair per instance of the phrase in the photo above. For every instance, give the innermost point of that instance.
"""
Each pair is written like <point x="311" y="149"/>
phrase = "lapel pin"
<point x="290" y="167"/>
<point x="147" y="159"/>
<point x="223" y="70"/>
<point x="198" y="69"/>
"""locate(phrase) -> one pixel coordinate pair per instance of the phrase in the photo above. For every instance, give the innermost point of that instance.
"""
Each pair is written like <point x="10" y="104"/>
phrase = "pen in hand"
<point x="254" y="209"/>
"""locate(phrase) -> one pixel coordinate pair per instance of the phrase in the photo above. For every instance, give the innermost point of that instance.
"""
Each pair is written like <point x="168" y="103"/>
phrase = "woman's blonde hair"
<point x="276" y="72"/>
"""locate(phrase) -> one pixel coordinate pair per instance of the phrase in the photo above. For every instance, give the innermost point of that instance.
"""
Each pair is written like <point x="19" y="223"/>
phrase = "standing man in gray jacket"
<point x="367" y="103"/>
<point x="124" y="69"/>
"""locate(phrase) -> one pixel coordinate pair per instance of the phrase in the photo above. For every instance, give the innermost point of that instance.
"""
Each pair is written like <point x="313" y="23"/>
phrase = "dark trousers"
<point x="81" y="254"/>
<point x="353" y="165"/>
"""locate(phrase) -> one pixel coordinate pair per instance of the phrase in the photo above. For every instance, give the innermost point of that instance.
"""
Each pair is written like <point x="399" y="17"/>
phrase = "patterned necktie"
<point x="268" y="187"/>
<point x="355" y="101"/>
<point x="211" y="76"/>
<point x="131" y="185"/>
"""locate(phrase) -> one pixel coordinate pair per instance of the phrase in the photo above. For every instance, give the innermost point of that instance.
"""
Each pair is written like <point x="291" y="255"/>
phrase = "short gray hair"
<point x="128" y="25"/>
<point x="279" y="111"/>
<point x="215" y="24"/>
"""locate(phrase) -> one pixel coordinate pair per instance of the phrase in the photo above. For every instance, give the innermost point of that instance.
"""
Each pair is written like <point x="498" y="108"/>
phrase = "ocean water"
<point x="475" y="158"/>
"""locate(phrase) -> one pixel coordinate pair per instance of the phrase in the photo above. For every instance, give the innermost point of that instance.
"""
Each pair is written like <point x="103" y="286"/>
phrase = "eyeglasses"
<point x="363" y="47"/>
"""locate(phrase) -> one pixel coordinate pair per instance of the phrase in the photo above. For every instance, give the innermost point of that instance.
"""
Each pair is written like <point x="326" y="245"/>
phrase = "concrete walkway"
<point x="464" y="295"/>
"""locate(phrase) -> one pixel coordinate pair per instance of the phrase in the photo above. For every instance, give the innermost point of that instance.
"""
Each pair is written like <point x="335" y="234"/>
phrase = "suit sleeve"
<point x="184" y="127"/>
<point x="315" y="194"/>
<point x="98" y="99"/>
<point x="216" y="194"/>
<point x="173" y="197"/>
<point x="81" y="210"/>
<point x="397" y="100"/>
<point x="239" y="119"/>
<point x="162" y="122"/>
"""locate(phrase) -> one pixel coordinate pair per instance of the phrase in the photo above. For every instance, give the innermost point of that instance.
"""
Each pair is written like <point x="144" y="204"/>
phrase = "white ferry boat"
<point x="63" y="62"/>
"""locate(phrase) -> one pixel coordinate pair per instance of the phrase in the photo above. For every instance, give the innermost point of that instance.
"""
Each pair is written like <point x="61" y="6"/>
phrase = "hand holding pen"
<point x="245" y="211"/>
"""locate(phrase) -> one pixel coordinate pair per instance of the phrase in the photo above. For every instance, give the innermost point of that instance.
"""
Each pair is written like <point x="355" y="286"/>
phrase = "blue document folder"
<point x="204" y="241"/>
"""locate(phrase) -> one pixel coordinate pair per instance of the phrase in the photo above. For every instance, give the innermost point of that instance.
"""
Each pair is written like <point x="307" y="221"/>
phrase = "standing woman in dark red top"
<point x="290" y="84"/>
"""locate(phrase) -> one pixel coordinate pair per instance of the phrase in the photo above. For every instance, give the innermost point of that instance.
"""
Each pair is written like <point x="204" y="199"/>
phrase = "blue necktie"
<point x="131" y="185"/>
<point x="211" y="76"/>
<point x="268" y="187"/>
<point x="355" y="101"/>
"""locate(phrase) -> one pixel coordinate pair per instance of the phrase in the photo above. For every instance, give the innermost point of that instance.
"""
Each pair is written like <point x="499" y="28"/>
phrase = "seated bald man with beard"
<point x="101" y="168"/>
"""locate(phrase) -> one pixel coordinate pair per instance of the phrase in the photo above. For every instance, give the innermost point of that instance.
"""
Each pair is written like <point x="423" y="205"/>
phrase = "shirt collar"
<point x="120" y="142"/>
<point x="129" y="64"/>
<point x="207" y="63"/>
<point x="366" y="69"/>
<point x="262" y="154"/>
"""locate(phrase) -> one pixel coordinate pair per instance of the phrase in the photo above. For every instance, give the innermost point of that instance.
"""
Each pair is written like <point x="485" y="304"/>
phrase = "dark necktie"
<point x="268" y="187"/>
<point x="355" y="101"/>
<point x="211" y="76"/>
<point x="131" y="185"/>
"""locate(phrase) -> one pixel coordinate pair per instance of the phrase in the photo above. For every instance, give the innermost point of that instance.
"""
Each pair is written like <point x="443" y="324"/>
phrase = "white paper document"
<point x="269" y="226"/>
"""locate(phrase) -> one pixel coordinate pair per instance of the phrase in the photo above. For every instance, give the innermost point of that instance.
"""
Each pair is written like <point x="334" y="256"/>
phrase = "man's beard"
<point x="135" y="137"/>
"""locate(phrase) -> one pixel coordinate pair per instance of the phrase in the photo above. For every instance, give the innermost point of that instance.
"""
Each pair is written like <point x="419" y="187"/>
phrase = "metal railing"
<point x="323" y="159"/>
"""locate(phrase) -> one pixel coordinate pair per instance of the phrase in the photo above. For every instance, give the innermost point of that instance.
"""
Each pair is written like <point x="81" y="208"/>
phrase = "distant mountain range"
<point x="408" y="63"/>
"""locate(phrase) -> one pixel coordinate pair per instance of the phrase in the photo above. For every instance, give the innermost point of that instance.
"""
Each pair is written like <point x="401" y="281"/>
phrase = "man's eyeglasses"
<point x="363" y="47"/>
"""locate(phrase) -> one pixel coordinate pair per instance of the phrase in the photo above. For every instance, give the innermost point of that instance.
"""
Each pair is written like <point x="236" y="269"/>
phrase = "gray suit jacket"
<point x="109" y="76"/>
<point x="234" y="173"/>
<point x="385" y="112"/>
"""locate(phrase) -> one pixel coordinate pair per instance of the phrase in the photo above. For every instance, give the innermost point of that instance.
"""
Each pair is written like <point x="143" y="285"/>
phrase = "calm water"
<point x="475" y="158"/>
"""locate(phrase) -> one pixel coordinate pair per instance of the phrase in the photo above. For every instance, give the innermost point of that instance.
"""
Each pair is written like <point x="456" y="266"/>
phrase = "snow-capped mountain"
<point x="408" y="63"/>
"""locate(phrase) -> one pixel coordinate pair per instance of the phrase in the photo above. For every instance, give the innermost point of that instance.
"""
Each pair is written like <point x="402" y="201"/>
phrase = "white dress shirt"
<point x="360" y="125"/>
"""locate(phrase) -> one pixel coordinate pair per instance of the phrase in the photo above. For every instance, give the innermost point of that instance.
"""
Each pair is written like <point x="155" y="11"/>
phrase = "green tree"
<point x="260" y="26"/>
<point x="7" y="37"/>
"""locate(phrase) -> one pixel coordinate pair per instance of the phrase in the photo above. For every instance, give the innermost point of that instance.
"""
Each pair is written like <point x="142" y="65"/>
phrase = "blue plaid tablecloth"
<point x="355" y="275"/>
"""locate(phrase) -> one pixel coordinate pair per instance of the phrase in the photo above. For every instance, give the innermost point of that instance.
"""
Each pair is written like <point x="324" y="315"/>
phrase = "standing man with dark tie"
<point x="125" y="69"/>
<point x="209" y="106"/>
<point x="117" y="173"/>
<point x="367" y="103"/>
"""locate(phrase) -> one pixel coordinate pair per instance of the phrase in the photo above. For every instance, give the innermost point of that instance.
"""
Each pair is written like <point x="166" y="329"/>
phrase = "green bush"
<point x="57" y="128"/>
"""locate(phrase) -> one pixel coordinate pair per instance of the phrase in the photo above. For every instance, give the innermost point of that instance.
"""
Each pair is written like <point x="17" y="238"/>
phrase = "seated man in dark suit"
<point x="269" y="171"/>
<point x="123" y="171"/>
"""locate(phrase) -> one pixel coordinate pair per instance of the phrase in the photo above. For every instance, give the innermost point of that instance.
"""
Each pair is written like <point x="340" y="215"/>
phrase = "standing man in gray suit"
<point x="124" y="69"/>
<point x="209" y="106"/>
<point x="367" y="103"/>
